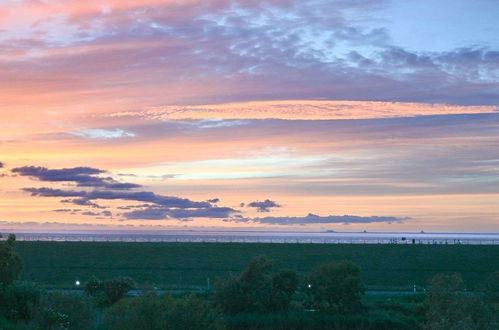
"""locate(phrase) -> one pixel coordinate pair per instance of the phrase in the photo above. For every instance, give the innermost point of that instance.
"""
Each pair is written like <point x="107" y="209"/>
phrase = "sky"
<point x="308" y="115"/>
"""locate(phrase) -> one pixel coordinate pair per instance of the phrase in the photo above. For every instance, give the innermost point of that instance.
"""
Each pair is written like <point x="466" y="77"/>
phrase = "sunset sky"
<point x="307" y="115"/>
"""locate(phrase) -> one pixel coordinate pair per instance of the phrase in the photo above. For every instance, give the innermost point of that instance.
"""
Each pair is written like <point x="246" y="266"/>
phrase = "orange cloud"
<point x="304" y="110"/>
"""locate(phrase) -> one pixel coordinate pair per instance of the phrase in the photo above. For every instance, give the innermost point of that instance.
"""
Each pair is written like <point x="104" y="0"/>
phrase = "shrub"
<point x="190" y="312"/>
<point x="256" y="289"/>
<point x="299" y="320"/>
<point x="491" y="287"/>
<point x="143" y="312"/>
<point x="154" y="312"/>
<point x="284" y="284"/>
<point x="20" y="299"/>
<point x="110" y="291"/>
<point x="6" y="324"/>
<point x="66" y="311"/>
<point x="336" y="287"/>
<point x="450" y="307"/>
<point x="10" y="262"/>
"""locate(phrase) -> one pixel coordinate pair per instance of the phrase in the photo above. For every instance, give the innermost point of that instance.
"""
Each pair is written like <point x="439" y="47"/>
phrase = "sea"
<point x="207" y="236"/>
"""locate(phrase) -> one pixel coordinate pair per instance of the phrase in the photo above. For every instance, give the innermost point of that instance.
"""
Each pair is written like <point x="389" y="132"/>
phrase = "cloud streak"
<point x="316" y="219"/>
<point x="141" y="196"/>
<point x="82" y="176"/>
<point x="302" y="110"/>
<point x="161" y="213"/>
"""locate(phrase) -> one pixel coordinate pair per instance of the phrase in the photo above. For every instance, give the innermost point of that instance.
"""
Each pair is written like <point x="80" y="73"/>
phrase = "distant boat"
<point x="330" y="231"/>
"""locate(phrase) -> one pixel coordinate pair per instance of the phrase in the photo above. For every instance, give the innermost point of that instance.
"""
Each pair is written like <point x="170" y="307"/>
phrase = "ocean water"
<point x="264" y="237"/>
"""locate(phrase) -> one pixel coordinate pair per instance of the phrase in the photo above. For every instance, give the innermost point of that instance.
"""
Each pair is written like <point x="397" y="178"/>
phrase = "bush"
<point x="193" y="313"/>
<point x="10" y="262"/>
<point x="154" y="312"/>
<point x="336" y="287"/>
<point x="450" y="307"/>
<point x="256" y="289"/>
<point x="110" y="291"/>
<point x="143" y="312"/>
<point x="20" y="299"/>
<point x="284" y="284"/>
<point x="491" y="287"/>
<point x="70" y="311"/>
<point x="7" y="324"/>
<point x="299" y="320"/>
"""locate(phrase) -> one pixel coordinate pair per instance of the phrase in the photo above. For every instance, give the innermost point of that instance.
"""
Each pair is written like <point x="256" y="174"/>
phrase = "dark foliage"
<point x="257" y="289"/>
<point x="57" y="310"/>
<point x="451" y="307"/>
<point x="300" y="320"/>
<point x="491" y="287"/>
<point x="336" y="287"/>
<point x="108" y="292"/>
<point x="20" y="300"/>
<point x="10" y="262"/>
<point x="163" y="312"/>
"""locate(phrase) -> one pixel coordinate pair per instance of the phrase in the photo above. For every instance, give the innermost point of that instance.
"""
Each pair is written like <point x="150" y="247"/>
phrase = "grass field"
<point x="172" y="265"/>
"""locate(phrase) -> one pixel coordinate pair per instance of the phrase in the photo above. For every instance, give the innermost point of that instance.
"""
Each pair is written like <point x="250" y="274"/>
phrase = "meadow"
<point x="199" y="265"/>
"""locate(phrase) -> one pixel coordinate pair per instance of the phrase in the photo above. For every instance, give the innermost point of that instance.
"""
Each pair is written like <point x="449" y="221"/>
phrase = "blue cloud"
<point x="102" y="134"/>
<point x="264" y="206"/>
<point x="161" y="213"/>
<point x="316" y="219"/>
<point x="141" y="196"/>
<point x="82" y="176"/>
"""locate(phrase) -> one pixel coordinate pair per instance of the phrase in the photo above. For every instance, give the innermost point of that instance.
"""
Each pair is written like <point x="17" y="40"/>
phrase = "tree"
<point x="284" y="284"/>
<point x="491" y="287"/>
<point x="257" y="289"/>
<point x="336" y="287"/>
<point x="110" y="291"/>
<point x="451" y="307"/>
<point x="20" y="299"/>
<point x="10" y="262"/>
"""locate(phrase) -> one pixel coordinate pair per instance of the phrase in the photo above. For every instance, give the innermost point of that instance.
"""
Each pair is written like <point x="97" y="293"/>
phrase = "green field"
<point x="173" y="265"/>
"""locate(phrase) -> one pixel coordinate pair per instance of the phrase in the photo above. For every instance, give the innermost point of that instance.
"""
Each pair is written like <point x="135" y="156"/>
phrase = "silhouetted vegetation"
<point x="451" y="307"/>
<point x="261" y="296"/>
<point x="151" y="311"/>
<point x="10" y="262"/>
<point x="336" y="287"/>
<point x="257" y="289"/>
<point x="110" y="291"/>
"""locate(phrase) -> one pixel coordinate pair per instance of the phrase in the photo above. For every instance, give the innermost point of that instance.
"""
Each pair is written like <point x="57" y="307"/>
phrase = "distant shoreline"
<point x="264" y="237"/>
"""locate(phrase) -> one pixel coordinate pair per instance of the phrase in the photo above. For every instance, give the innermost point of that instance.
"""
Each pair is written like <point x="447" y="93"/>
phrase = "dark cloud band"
<point x="82" y="176"/>
<point x="316" y="219"/>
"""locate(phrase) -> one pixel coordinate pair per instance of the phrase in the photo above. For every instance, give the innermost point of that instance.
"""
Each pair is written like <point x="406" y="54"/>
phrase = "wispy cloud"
<point x="301" y="110"/>
<point x="104" y="134"/>
<point x="316" y="219"/>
